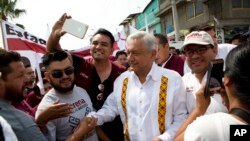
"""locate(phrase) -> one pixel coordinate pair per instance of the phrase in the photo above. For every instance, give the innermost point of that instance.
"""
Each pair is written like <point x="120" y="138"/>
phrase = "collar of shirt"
<point x="204" y="79"/>
<point x="152" y="73"/>
<point x="170" y="56"/>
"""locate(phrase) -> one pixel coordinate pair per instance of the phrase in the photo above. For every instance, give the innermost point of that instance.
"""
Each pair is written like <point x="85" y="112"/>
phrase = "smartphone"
<point x="214" y="76"/>
<point x="75" y="28"/>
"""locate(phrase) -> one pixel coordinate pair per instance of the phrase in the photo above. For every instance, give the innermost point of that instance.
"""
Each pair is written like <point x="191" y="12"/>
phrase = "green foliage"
<point x="8" y="9"/>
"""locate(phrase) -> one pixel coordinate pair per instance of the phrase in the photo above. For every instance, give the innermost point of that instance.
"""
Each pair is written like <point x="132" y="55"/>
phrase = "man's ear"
<point x="166" y="45"/>
<point x="227" y="81"/>
<point x="214" y="49"/>
<point x="154" y="53"/>
<point x="112" y="49"/>
<point x="2" y="86"/>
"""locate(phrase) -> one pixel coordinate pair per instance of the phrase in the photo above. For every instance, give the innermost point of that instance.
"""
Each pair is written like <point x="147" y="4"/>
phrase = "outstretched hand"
<point x="87" y="124"/>
<point x="57" y="28"/>
<point x="83" y="130"/>
<point x="57" y="110"/>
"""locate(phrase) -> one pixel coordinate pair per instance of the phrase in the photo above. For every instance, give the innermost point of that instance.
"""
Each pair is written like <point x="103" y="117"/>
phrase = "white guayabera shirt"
<point x="142" y="102"/>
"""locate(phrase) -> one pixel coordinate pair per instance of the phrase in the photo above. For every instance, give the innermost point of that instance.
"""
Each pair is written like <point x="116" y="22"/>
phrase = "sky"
<point x="42" y="14"/>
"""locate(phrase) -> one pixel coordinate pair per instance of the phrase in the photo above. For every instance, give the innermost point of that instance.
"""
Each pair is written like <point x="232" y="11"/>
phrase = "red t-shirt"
<point x="175" y="63"/>
<point x="87" y="78"/>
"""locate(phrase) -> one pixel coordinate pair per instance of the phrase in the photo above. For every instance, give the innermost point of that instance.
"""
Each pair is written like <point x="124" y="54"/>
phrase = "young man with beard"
<point x="31" y="77"/>
<point x="96" y="75"/>
<point x="30" y="85"/>
<point x="12" y="82"/>
<point x="6" y="132"/>
<point x="60" y="73"/>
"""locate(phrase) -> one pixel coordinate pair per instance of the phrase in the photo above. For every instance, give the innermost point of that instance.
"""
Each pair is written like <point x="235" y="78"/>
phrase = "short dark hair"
<point x="237" y="68"/>
<point x="172" y="47"/>
<point x="237" y="36"/>
<point x="106" y="33"/>
<point x="54" y="56"/>
<point x="163" y="40"/>
<point x="120" y="52"/>
<point x="202" y="27"/>
<point x="37" y="91"/>
<point x="26" y="62"/>
<point x="206" y="27"/>
<point x="7" y="57"/>
<point x="194" y="28"/>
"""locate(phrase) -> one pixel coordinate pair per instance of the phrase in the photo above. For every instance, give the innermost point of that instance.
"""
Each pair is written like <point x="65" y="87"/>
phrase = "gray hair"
<point x="149" y="39"/>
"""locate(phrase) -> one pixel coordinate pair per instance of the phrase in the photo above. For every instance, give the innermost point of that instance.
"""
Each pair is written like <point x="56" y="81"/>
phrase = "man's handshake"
<point x="84" y="129"/>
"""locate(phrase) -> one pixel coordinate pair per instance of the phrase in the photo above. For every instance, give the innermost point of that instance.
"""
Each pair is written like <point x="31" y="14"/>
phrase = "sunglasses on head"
<point x="59" y="73"/>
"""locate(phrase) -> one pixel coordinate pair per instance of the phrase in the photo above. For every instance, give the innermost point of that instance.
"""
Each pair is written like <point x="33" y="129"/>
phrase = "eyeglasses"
<point x="59" y="73"/>
<point x="199" y="50"/>
<point x="100" y="95"/>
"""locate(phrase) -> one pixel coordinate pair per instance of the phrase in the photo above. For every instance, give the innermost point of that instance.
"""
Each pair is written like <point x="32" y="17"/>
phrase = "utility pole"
<point x="176" y="21"/>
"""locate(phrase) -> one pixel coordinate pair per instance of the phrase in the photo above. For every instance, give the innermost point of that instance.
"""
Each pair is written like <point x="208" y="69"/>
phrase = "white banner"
<point x="28" y="45"/>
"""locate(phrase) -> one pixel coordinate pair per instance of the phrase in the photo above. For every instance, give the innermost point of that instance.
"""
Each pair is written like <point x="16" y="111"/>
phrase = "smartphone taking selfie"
<point x="214" y="76"/>
<point x="75" y="28"/>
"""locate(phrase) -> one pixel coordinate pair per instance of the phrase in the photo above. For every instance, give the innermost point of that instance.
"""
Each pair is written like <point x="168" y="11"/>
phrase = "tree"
<point x="9" y="10"/>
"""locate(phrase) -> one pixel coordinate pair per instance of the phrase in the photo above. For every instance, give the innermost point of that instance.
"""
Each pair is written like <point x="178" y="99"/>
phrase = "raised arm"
<point x="202" y="104"/>
<point x="56" y="34"/>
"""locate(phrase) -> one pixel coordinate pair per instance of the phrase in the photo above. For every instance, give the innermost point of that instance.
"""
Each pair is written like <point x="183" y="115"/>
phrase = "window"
<point x="194" y="9"/>
<point x="246" y="3"/>
<point x="162" y="1"/>
<point x="241" y="3"/>
<point x="236" y="3"/>
<point x="169" y="23"/>
<point x="198" y="7"/>
<point x="152" y="30"/>
<point x="190" y="10"/>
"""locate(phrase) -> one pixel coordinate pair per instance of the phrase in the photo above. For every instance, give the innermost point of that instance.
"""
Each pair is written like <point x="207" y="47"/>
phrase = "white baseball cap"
<point x="199" y="38"/>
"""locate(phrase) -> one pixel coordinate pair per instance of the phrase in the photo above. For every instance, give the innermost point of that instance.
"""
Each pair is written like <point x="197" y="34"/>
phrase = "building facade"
<point x="230" y="17"/>
<point x="147" y="20"/>
<point x="129" y="24"/>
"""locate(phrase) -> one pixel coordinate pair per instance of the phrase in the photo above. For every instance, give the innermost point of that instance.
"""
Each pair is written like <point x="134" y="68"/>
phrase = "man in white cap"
<point x="221" y="50"/>
<point x="199" y="50"/>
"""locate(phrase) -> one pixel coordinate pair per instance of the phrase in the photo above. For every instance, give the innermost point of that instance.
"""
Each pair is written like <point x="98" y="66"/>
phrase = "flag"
<point x="29" y="46"/>
<point x="25" y="43"/>
<point x="120" y="40"/>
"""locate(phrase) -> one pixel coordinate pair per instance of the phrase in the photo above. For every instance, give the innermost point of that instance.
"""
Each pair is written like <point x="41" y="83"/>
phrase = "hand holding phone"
<point x="75" y="28"/>
<point x="214" y="76"/>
